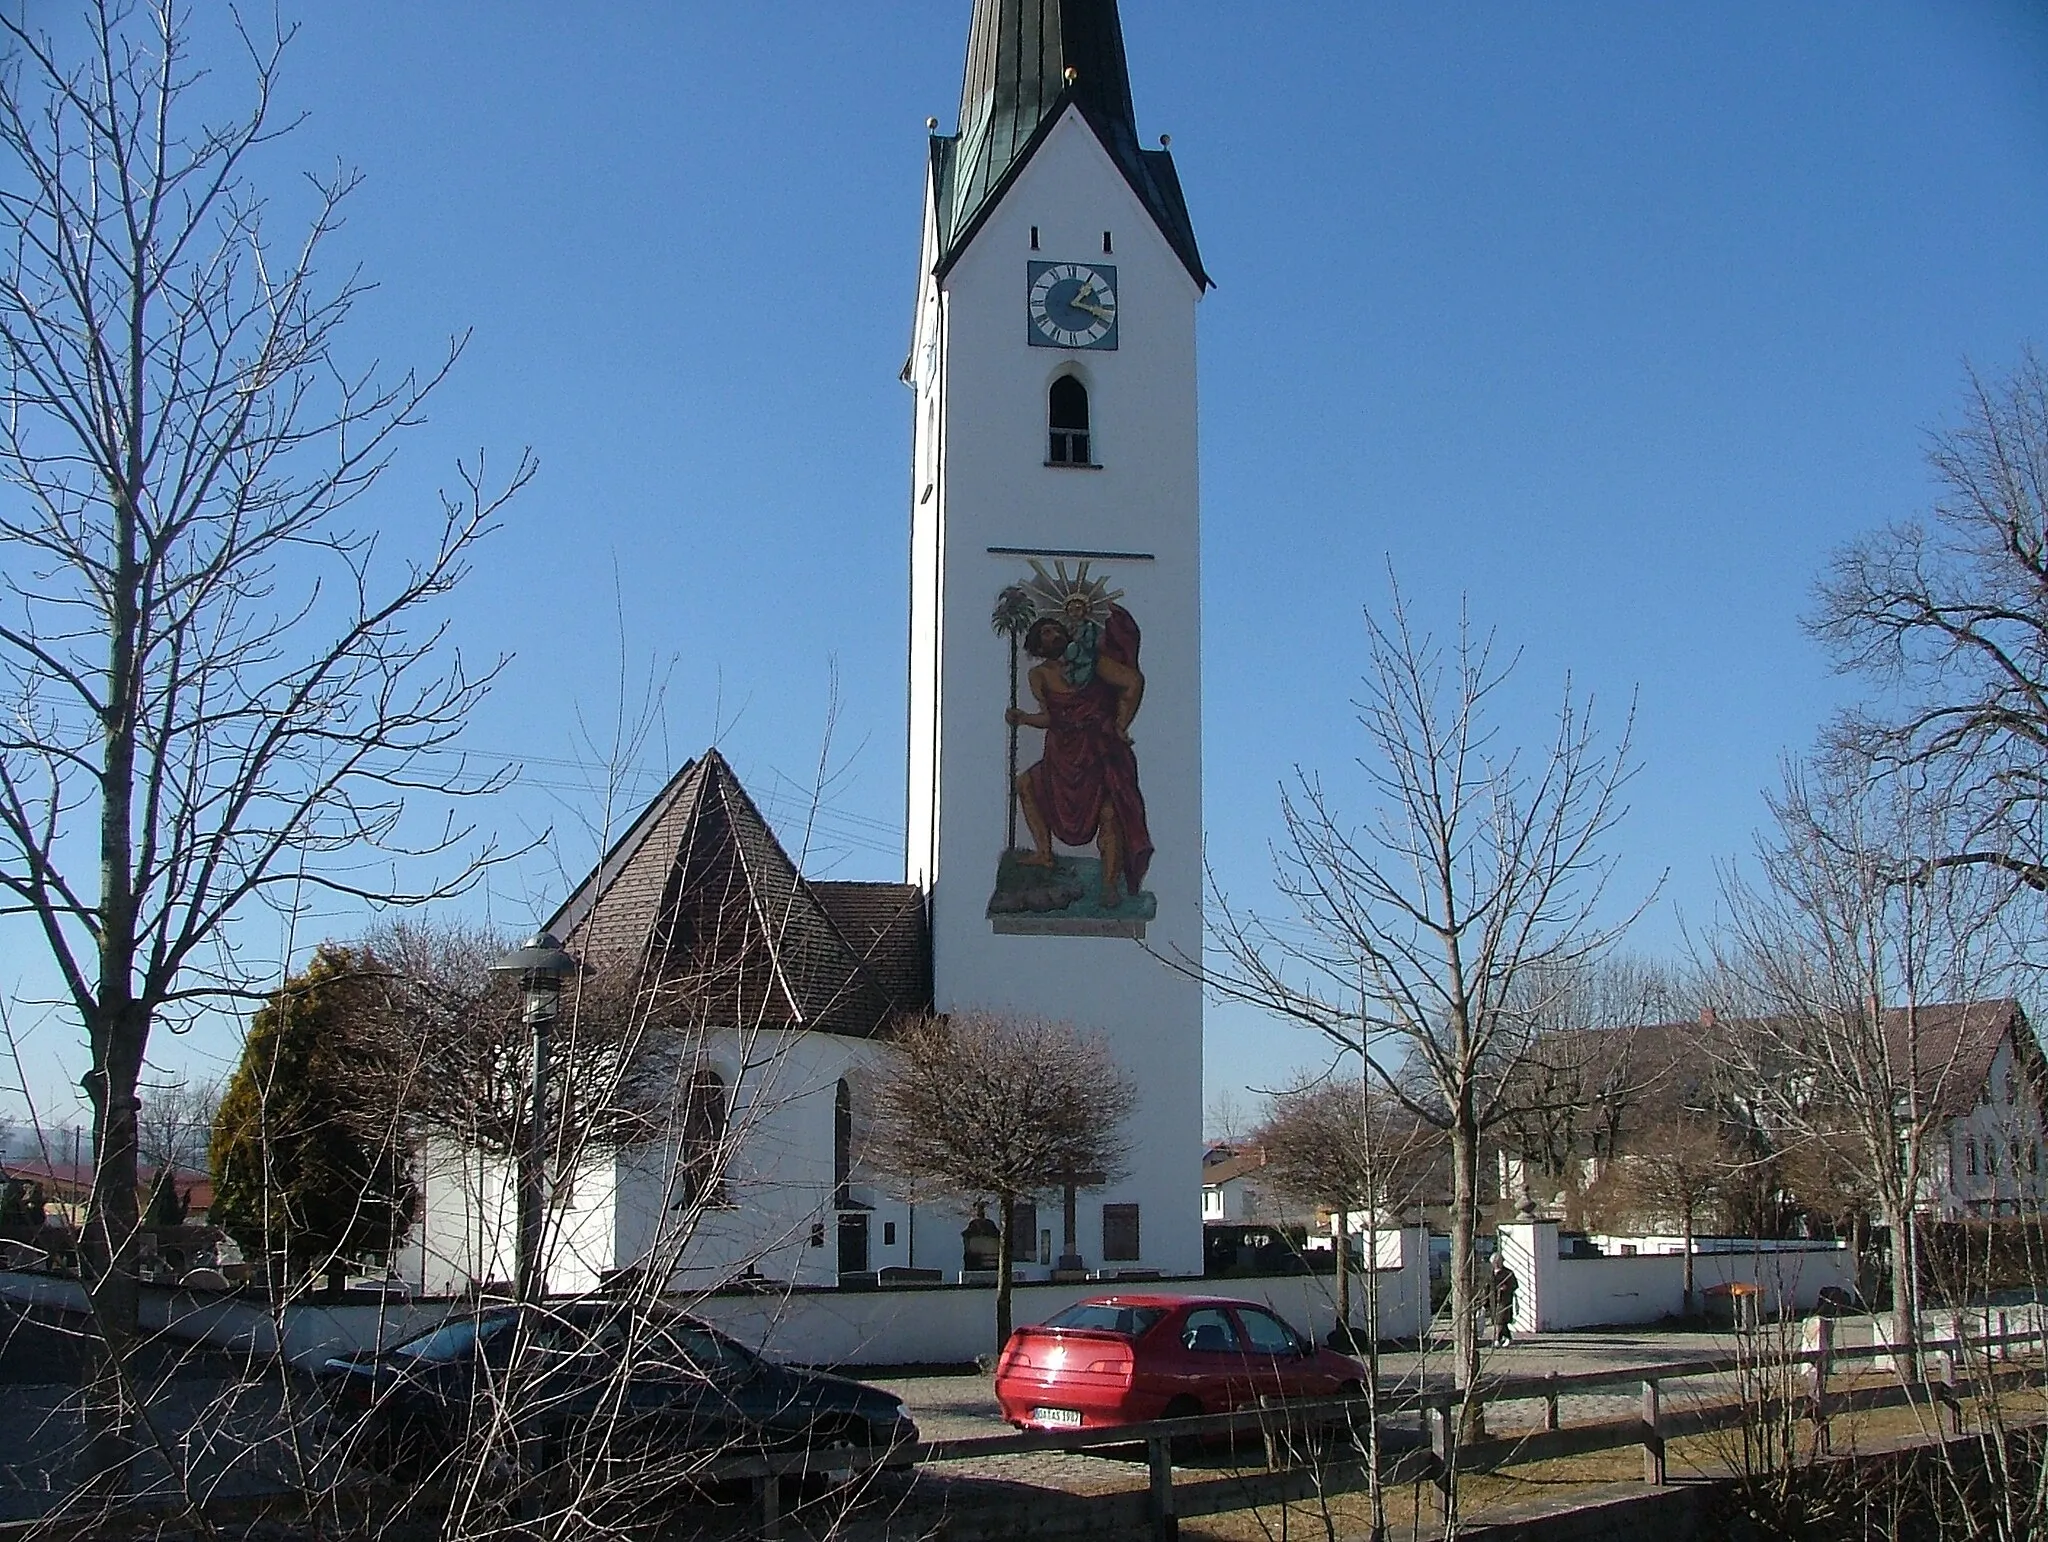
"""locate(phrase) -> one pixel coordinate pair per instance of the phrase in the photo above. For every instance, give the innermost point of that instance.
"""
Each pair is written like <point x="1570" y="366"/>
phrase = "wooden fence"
<point x="1953" y="1370"/>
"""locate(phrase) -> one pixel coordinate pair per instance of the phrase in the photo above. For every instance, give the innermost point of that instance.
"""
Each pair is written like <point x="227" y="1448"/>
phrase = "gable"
<point x="970" y="179"/>
<point x="701" y="895"/>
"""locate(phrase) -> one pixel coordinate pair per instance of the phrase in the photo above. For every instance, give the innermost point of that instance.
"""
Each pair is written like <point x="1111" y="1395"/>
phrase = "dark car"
<point x="1126" y="1359"/>
<point x="595" y="1379"/>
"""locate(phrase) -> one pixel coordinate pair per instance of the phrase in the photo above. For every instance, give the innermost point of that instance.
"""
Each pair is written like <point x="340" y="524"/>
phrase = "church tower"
<point x="1055" y="800"/>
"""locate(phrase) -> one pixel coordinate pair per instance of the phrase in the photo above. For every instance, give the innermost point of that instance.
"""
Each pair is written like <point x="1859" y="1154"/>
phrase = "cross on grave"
<point x="1071" y="1181"/>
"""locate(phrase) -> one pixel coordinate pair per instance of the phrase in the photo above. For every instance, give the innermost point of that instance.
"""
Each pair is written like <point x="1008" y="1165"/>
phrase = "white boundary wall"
<point x="304" y="1333"/>
<point x="910" y="1325"/>
<point x="954" y="1324"/>
<point x="1557" y="1294"/>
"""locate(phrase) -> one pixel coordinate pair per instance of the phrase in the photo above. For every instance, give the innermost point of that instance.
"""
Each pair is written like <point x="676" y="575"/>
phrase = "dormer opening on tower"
<point x="1067" y="415"/>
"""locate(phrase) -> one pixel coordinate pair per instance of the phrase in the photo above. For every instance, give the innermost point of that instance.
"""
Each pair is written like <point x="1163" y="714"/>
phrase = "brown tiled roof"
<point x="700" y="891"/>
<point x="1957" y="1043"/>
<point x="64" y="1182"/>
<point x="885" y="923"/>
<point x="1233" y="1167"/>
<point x="1668" y="1064"/>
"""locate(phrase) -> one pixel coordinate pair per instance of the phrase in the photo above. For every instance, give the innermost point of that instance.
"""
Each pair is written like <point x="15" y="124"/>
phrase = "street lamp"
<point x="542" y="966"/>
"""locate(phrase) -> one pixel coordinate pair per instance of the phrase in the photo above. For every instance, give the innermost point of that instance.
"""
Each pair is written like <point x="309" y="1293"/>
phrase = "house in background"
<point x="1234" y="1188"/>
<point x="1980" y="1069"/>
<point x="1983" y="1071"/>
<point x="66" y="1188"/>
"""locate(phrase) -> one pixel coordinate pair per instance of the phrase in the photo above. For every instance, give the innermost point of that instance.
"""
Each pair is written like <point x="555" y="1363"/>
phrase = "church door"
<point x="853" y="1243"/>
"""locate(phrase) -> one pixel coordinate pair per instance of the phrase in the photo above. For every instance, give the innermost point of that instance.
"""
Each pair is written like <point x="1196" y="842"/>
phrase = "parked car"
<point x="595" y="1378"/>
<point x="1125" y="1359"/>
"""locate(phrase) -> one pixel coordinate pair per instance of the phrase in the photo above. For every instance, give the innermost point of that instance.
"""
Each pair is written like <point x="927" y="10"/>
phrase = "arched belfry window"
<point x="1067" y="413"/>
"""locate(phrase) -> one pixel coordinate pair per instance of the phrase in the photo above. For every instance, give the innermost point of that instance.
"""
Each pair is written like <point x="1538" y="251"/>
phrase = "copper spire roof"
<point x="1019" y="53"/>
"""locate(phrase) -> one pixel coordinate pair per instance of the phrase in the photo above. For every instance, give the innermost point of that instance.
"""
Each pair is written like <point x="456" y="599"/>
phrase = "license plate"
<point x="1069" y="1418"/>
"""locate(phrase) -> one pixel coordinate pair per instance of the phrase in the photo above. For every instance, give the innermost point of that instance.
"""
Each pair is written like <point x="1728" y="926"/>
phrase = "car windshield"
<point x="454" y="1340"/>
<point x="705" y="1352"/>
<point x="1107" y="1317"/>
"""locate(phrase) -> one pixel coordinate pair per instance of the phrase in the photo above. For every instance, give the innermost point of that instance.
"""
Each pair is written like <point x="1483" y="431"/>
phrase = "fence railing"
<point x="1951" y="1371"/>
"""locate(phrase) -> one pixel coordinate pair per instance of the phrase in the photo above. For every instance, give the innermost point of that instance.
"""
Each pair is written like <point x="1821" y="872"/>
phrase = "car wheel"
<point x="1183" y="1447"/>
<point x="836" y="1451"/>
<point x="1354" y="1419"/>
<point x="402" y="1452"/>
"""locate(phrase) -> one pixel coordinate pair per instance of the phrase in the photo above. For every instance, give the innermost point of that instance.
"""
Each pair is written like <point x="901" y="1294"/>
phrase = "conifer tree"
<point x="306" y="1156"/>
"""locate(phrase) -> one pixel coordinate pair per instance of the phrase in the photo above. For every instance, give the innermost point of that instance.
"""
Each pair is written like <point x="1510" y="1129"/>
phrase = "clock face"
<point x="1072" y="305"/>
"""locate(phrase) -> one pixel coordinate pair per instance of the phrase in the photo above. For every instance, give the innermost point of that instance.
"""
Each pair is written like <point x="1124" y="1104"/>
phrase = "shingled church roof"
<point x="1016" y="89"/>
<point x="700" y="891"/>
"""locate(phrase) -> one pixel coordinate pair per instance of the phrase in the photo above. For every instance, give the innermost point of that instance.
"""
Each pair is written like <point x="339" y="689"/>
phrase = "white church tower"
<point x="1055" y="813"/>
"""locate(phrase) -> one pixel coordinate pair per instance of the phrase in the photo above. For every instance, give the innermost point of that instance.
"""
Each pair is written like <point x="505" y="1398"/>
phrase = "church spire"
<point x="1027" y="62"/>
<point x="1018" y="55"/>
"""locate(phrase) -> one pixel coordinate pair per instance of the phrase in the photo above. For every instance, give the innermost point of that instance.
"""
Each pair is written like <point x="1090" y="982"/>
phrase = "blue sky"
<point x="1611" y="320"/>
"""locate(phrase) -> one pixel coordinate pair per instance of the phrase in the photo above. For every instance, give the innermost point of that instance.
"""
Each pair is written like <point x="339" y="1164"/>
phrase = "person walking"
<point x="1504" y="1287"/>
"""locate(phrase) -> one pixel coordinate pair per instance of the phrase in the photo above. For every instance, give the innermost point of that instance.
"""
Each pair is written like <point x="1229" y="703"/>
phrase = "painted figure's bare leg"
<point x="1041" y="833"/>
<point x="1109" y="841"/>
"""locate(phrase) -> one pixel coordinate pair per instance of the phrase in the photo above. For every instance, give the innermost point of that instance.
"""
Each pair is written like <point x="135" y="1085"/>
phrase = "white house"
<point x="1235" y="1189"/>
<point x="1991" y="1086"/>
<point x="1054" y="832"/>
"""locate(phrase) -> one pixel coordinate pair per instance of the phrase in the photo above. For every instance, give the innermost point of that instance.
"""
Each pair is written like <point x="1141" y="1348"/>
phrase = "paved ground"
<point x="961" y="1407"/>
<point x="227" y="1425"/>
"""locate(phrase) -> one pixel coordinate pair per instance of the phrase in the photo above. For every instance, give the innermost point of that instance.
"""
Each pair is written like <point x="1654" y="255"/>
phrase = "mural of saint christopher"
<point x="1084" y="788"/>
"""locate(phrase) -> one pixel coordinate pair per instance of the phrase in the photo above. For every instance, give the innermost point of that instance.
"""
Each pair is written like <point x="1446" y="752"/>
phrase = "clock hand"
<point x="1080" y="304"/>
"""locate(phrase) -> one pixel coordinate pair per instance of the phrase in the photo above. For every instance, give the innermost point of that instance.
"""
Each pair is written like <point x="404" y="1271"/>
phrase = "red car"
<point x="1126" y="1359"/>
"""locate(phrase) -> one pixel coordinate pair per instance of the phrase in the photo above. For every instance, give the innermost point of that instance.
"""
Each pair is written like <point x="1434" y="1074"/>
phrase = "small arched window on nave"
<point x="1067" y="417"/>
<point x="842" y="1146"/>
<point x="704" y="1147"/>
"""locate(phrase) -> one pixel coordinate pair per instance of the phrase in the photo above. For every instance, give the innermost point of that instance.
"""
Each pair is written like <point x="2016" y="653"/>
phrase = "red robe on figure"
<point x="1086" y="762"/>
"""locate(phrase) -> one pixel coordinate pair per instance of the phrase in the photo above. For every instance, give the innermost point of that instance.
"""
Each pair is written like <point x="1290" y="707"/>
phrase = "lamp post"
<point x="542" y="966"/>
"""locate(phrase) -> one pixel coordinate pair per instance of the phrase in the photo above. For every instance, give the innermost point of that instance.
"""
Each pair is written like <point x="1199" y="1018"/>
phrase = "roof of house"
<point x="1233" y="1167"/>
<point x="1028" y="61"/>
<point x="699" y="891"/>
<point x="1957" y="1044"/>
<point x="66" y="1181"/>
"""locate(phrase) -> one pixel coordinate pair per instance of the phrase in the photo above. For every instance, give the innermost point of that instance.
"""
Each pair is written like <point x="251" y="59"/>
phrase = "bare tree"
<point x="1332" y="1141"/>
<point x="1583" y="1073"/>
<point x="982" y="1104"/>
<point x="1226" y="1119"/>
<point x="627" y="1068"/>
<point x="1859" y="959"/>
<point x="204" y="663"/>
<point x="464" y="1051"/>
<point x="1822" y="1175"/>
<point x="1425" y="931"/>
<point x="1672" y="1172"/>
<point x="175" y="1123"/>
<point x="173" y="1127"/>
<point x="1950" y="618"/>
